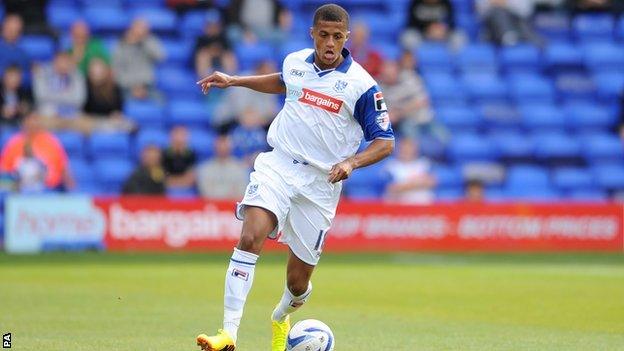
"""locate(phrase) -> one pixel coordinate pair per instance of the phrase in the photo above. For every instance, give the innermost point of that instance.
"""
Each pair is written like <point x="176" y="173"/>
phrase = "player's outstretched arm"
<point x="268" y="83"/>
<point x="375" y="152"/>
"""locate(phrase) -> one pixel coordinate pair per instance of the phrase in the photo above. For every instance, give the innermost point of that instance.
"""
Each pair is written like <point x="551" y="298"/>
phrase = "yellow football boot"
<point x="220" y="342"/>
<point x="280" y="333"/>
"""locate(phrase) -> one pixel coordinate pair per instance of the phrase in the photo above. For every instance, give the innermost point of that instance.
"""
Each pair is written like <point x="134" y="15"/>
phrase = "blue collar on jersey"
<point x="342" y="67"/>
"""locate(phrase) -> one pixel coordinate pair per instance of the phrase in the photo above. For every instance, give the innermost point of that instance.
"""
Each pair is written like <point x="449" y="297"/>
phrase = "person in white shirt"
<point x="331" y="103"/>
<point x="412" y="181"/>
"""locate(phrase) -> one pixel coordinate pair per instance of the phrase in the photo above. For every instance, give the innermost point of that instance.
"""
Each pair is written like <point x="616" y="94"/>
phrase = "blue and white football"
<point x="310" y="335"/>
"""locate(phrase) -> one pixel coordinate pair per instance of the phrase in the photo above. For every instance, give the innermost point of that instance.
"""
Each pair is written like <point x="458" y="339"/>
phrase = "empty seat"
<point x="444" y="88"/>
<point x="177" y="81"/>
<point x="520" y="57"/>
<point x="585" y="116"/>
<point x="435" y="55"/>
<point x="367" y="183"/>
<point x="103" y="144"/>
<point x="178" y="52"/>
<point x="152" y="136"/>
<point x="575" y="86"/>
<point x="477" y="57"/>
<point x="458" y="118"/>
<point x="161" y="20"/>
<point x="73" y="143"/>
<point x="609" y="84"/>
<point x="112" y="172"/>
<point x="609" y="176"/>
<point x="563" y="55"/>
<point x="588" y="195"/>
<point x="542" y="116"/>
<point x="447" y="176"/>
<point x="107" y="18"/>
<point x="485" y="88"/>
<point x="512" y="146"/>
<point x="38" y="47"/>
<point x="146" y="113"/>
<point x="470" y="147"/>
<point x="604" y="56"/>
<point x="568" y="178"/>
<point x="62" y="16"/>
<point x="189" y="113"/>
<point x="593" y="26"/>
<point x="556" y="145"/>
<point x="531" y="89"/>
<point x="202" y="142"/>
<point x="249" y="55"/>
<point x="600" y="148"/>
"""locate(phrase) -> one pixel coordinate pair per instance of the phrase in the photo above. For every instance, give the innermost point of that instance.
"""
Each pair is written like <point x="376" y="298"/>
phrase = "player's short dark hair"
<point x="331" y="13"/>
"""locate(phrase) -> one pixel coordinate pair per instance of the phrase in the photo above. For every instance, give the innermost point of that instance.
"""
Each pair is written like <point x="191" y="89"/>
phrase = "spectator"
<point x="212" y="50"/>
<point x="10" y="52"/>
<point x="504" y="22"/>
<point x="406" y="95"/>
<point x="34" y="14"/>
<point x="35" y="142"/>
<point x="211" y="180"/>
<point x="474" y="190"/>
<point x="368" y="57"/>
<point x="149" y="177"/>
<point x="60" y="92"/>
<point x="250" y="138"/>
<point x="584" y="6"/>
<point x="134" y="59"/>
<point x="258" y="19"/>
<point x="104" y="105"/>
<point x="241" y="103"/>
<point x="84" y="47"/>
<point x="30" y="172"/>
<point x="411" y="179"/>
<point x="179" y="159"/>
<point x="16" y="99"/>
<point x="431" y="20"/>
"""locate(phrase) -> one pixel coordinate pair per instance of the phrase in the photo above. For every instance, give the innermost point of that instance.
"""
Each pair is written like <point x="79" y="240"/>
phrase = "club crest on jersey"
<point x="320" y="100"/>
<point x="383" y="121"/>
<point x="297" y="73"/>
<point x="340" y="86"/>
<point x="240" y="274"/>
<point x="380" y="103"/>
<point x="252" y="189"/>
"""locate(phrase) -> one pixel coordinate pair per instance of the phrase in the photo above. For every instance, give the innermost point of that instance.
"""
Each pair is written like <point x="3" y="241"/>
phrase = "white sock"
<point x="290" y="303"/>
<point x="238" y="281"/>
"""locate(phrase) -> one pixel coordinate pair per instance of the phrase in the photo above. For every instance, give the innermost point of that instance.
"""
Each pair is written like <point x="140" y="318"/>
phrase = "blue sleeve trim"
<point x="372" y="114"/>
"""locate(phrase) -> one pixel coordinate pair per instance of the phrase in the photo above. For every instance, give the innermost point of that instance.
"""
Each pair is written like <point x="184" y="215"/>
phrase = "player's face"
<point x="329" y="39"/>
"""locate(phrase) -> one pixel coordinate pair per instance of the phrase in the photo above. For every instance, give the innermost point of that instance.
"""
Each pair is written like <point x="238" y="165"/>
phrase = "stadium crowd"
<point x="492" y="99"/>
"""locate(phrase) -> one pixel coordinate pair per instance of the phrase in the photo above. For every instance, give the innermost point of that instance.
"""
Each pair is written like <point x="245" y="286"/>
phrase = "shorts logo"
<point x="380" y="103"/>
<point x="297" y="73"/>
<point x="340" y="86"/>
<point x="252" y="189"/>
<point x="383" y="121"/>
<point x="321" y="101"/>
<point x="240" y="274"/>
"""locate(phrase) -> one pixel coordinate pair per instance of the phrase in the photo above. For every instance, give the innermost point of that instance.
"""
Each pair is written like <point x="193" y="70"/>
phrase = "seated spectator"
<point x="60" y="91"/>
<point x="430" y="20"/>
<point x="134" y="59"/>
<point x="475" y="191"/>
<point x="149" y="177"/>
<point x="15" y="99"/>
<point x="179" y="159"/>
<point x="85" y="48"/>
<point x="32" y="145"/>
<point x="30" y="172"/>
<point x="369" y="58"/>
<point x="410" y="111"/>
<point x="10" y="52"/>
<point x="212" y="50"/>
<point x="210" y="175"/>
<point x="505" y="24"/>
<point x="34" y="14"/>
<point x="249" y="137"/>
<point x="245" y="103"/>
<point x="265" y="20"/>
<point x="104" y="105"/>
<point x="412" y="181"/>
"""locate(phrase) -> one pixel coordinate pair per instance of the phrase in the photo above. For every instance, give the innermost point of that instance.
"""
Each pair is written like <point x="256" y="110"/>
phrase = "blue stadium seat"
<point x="188" y="113"/>
<point x="609" y="176"/>
<point x="178" y="51"/>
<point x="470" y="147"/>
<point x="151" y="4"/>
<point x="73" y="142"/>
<point x="520" y="57"/>
<point x="62" y="16"/>
<point x="146" y="113"/>
<point x="593" y="26"/>
<point x="540" y="117"/>
<point x="551" y="146"/>
<point x="291" y="46"/>
<point x="477" y="58"/>
<point x="531" y="89"/>
<point x="177" y="82"/>
<point x="444" y="88"/>
<point x="111" y="144"/>
<point x="512" y="146"/>
<point x="553" y="26"/>
<point x="367" y="183"/>
<point x="448" y="176"/>
<point x="152" y="136"/>
<point x="98" y="3"/>
<point x="249" y="55"/>
<point x="388" y="50"/>
<point x="563" y="56"/>
<point x="449" y="194"/>
<point x="112" y="172"/>
<point x="588" y="195"/>
<point x="499" y="115"/>
<point x="568" y="178"/>
<point x="379" y="24"/>
<point x="84" y="174"/>
<point x="604" y="56"/>
<point x="106" y="19"/>
<point x="202" y="141"/>
<point x="434" y="55"/>
<point x="609" y="85"/>
<point x="38" y="47"/>
<point x="247" y="141"/>
<point x="161" y="20"/>
<point x="485" y="88"/>
<point x="584" y="116"/>
<point x="575" y="86"/>
<point x="526" y="182"/>
<point x="603" y="147"/>
<point x="620" y="29"/>
<point x="458" y="118"/>
<point x="181" y="192"/>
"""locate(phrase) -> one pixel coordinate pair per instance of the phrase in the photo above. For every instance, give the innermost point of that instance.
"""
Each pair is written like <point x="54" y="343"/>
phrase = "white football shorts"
<point x="301" y="198"/>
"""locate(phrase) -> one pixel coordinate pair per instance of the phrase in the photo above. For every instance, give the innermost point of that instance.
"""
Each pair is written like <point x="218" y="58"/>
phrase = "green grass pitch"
<point x="412" y="302"/>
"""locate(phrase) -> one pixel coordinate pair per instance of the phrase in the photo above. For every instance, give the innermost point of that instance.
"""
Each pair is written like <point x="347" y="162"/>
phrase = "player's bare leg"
<point x="258" y="223"/>
<point x="297" y="291"/>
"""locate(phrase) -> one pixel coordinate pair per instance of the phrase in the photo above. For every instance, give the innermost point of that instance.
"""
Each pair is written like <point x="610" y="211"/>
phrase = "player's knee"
<point x="249" y="242"/>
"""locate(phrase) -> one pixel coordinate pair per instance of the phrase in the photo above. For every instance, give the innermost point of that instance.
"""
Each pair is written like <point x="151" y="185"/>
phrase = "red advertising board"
<point x="164" y="224"/>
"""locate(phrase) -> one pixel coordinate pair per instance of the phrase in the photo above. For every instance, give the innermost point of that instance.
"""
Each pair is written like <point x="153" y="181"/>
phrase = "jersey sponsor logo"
<point x="297" y="73"/>
<point x="320" y="100"/>
<point x="383" y="121"/>
<point x="380" y="103"/>
<point x="340" y="86"/>
<point x="240" y="274"/>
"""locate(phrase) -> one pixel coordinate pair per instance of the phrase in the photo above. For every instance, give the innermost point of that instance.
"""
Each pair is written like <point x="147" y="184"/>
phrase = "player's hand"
<point x="340" y="171"/>
<point x="216" y="79"/>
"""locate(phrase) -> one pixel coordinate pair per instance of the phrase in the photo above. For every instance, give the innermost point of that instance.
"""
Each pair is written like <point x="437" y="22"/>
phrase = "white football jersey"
<point x="327" y="113"/>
